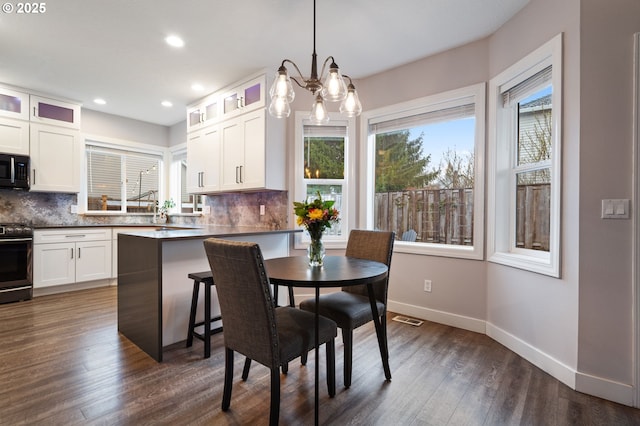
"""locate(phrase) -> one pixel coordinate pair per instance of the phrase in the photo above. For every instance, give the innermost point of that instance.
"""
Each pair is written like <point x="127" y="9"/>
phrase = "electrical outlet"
<point x="427" y="286"/>
<point x="262" y="210"/>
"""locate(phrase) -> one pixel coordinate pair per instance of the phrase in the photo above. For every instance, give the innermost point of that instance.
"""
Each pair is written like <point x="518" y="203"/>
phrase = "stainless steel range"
<point x="16" y="270"/>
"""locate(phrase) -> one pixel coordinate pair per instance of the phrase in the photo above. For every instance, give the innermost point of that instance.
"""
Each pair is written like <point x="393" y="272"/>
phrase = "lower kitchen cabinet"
<point x="71" y="256"/>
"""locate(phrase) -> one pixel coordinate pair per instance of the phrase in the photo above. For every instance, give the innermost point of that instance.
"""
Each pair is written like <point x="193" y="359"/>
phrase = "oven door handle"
<point x="15" y="289"/>
<point x="14" y="240"/>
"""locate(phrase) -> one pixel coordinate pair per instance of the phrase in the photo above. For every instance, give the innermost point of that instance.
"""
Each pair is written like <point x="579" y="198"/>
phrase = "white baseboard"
<point x="603" y="388"/>
<point x="545" y="362"/>
<point x="441" y="317"/>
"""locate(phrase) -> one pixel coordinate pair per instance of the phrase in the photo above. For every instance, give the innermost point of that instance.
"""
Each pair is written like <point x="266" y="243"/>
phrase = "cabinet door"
<point x="14" y="136"/>
<point x="58" y="113"/>
<point x="53" y="264"/>
<point x="203" y="161"/>
<point x="253" y="175"/>
<point x="232" y="152"/>
<point x="202" y="114"/>
<point x="55" y="159"/>
<point x="245" y="97"/>
<point x="93" y="260"/>
<point x="14" y="104"/>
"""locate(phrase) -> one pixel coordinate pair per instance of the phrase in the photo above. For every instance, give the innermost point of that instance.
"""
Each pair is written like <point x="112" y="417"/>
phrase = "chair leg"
<point x="275" y="397"/>
<point x="347" y="339"/>
<point x="285" y="368"/>
<point x="331" y="367"/>
<point x="228" y="379"/>
<point x="245" y="370"/>
<point x="303" y="358"/>
<point x="207" y="320"/>
<point x="192" y="314"/>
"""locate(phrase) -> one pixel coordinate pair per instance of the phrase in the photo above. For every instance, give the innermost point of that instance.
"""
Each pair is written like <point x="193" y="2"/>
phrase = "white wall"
<point x="117" y="127"/>
<point x="606" y="338"/>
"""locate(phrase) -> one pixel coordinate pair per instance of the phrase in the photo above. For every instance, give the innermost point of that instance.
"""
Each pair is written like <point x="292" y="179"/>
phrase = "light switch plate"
<point x="615" y="209"/>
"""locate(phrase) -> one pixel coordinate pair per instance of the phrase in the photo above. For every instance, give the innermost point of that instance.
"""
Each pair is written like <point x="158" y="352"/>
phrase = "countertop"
<point x="169" y="233"/>
<point x="179" y="231"/>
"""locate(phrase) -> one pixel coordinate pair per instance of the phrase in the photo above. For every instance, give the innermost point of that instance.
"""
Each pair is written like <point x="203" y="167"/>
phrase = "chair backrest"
<point x="244" y="294"/>
<point x="371" y="245"/>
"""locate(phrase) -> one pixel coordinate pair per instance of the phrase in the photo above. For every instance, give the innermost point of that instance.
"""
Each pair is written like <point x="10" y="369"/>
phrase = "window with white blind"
<point x="121" y="181"/>
<point x="424" y="173"/>
<point x="524" y="162"/>
<point x="324" y="156"/>
<point x="188" y="203"/>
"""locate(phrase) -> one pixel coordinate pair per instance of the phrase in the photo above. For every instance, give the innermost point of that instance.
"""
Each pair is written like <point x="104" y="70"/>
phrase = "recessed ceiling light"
<point x="197" y="87"/>
<point x="167" y="104"/>
<point x="174" y="41"/>
<point x="99" y="101"/>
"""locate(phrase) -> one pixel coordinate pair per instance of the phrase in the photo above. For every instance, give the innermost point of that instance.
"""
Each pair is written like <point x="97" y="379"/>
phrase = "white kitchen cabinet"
<point x="14" y="104"/>
<point x="203" y="160"/>
<point x="55" y="112"/>
<point x="14" y="122"/>
<point x="252" y="152"/>
<point x="244" y="97"/>
<point x="14" y="136"/>
<point x="203" y="113"/>
<point x="70" y="256"/>
<point x="56" y="158"/>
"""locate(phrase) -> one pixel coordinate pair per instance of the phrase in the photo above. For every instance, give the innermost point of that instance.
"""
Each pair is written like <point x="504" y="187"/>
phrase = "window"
<point x="189" y="203"/>
<point x="323" y="154"/>
<point x="120" y="180"/>
<point x="424" y="175"/>
<point x="524" y="162"/>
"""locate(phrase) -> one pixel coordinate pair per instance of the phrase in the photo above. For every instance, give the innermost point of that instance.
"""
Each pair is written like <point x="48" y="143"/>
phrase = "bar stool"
<point x="207" y="279"/>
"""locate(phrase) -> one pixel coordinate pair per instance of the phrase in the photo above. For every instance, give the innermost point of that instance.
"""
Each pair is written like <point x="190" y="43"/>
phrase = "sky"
<point x="438" y="137"/>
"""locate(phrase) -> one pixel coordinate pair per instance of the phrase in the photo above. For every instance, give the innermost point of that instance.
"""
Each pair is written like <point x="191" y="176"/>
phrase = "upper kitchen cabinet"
<point x="245" y="97"/>
<point x="14" y="122"/>
<point x="56" y="154"/>
<point x="204" y="113"/>
<point x="55" y="112"/>
<point x="252" y="151"/>
<point x="203" y="161"/>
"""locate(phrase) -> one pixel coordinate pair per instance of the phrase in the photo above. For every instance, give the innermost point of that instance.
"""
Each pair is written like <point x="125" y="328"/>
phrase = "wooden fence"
<point x="445" y="216"/>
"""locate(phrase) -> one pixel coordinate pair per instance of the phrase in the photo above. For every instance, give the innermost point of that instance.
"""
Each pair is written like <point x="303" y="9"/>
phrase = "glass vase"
<point x="315" y="252"/>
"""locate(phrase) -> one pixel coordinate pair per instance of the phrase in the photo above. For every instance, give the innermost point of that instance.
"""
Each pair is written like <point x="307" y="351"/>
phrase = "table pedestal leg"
<point x="380" y="333"/>
<point x="317" y="339"/>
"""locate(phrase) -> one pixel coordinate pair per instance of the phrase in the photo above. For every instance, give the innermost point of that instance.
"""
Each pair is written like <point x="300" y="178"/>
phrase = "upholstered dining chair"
<point x="253" y="326"/>
<point x="351" y="308"/>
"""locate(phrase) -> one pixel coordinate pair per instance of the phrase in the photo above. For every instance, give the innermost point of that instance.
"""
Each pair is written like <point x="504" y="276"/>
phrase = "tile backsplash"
<point x="233" y="209"/>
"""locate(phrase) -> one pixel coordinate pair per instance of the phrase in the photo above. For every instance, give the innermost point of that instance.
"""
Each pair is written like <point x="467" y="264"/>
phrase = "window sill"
<point x="427" y="249"/>
<point x="539" y="264"/>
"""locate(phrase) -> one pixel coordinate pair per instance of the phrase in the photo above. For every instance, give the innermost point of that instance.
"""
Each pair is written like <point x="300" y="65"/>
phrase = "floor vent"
<point x="410" y="321"/>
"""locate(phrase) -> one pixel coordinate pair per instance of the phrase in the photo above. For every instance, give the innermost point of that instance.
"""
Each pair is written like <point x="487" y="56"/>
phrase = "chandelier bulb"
<point x="282" y="87"/>
<point x="279" y="108"/>
<point x="319" y="113"/>
<point x="351" y="105"/>
<point x="334" y="88"/>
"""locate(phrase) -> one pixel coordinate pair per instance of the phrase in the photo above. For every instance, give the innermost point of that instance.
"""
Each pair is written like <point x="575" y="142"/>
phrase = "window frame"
<point x="470" y="94"/>
<point x="501" y="163"/>
<point x="124" y="146"/>
<point x="347" y="212"/>
<point x="176" y="154"/>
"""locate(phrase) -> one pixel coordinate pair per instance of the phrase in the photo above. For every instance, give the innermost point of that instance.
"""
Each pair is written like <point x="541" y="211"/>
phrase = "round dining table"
<point x="336" y="271"/>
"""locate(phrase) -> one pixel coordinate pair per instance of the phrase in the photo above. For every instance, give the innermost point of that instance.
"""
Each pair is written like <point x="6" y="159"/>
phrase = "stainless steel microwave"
<point x="14" y="171"/>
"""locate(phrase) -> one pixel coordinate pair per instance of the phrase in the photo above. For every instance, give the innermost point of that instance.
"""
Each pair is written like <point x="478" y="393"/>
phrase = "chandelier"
<point x="334" y="88"/>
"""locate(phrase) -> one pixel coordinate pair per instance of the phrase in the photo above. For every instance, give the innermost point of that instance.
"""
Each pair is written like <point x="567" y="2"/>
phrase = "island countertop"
<point x="179" y="233"/>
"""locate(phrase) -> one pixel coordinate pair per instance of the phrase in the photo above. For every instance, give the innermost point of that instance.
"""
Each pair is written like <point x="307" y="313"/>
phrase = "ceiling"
<point x="115" y="49"/>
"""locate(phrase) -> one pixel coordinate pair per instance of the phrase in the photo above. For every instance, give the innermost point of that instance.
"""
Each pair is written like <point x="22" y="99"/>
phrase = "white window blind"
<point x="526" y="87"/>
<point x="416" y="120"/>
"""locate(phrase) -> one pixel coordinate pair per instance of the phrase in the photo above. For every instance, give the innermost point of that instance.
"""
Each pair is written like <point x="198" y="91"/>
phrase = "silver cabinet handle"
<point x="79" y="252"/>
<point x="72" y="253"/>
<point x="240" y="174"/>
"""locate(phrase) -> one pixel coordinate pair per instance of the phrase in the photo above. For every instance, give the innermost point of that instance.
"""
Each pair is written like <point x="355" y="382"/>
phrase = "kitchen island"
<point x="154" y="291"/>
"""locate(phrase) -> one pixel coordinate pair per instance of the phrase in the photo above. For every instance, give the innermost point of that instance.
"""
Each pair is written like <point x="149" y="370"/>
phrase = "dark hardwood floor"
<point x="62" y="362"/>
